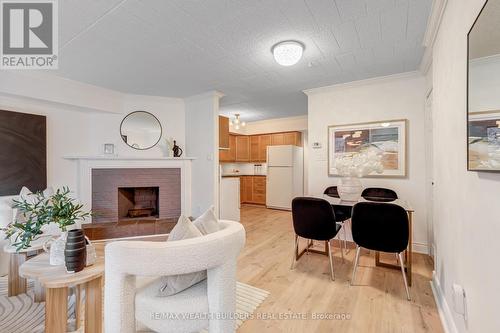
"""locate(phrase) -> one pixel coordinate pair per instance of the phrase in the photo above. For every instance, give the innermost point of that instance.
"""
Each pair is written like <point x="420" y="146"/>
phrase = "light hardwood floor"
<point x="377" y="303"/>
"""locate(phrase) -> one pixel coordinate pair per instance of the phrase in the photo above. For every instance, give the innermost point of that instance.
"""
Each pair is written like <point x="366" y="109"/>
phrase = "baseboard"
<point x="420" y="248"/>
<point x="443" y="308"/>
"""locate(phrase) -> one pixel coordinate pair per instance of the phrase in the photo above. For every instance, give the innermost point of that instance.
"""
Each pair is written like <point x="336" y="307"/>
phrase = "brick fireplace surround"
<point x="106" y="183"/>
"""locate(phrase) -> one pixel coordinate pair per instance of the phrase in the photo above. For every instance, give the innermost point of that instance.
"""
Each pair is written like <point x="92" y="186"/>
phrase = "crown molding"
<point x="437" y="13"/>
<point x="359" y="83"/>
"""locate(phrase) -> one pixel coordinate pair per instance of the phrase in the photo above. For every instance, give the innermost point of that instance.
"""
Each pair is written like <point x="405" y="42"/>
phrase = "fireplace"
<point x="138" y="202"/>
<point x="135" y="194"/>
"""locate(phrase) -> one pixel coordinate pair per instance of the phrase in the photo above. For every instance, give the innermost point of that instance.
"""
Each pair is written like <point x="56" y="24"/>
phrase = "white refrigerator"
<point x="285" y="176"/>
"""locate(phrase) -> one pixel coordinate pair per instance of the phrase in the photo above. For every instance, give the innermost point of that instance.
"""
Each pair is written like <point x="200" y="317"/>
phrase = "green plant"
<point x="64" y="210"/>
<point x="38" y="211"/>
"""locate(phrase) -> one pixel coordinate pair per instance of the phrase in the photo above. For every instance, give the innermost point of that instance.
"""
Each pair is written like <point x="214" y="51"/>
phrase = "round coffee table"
<point x="56" y="281"/>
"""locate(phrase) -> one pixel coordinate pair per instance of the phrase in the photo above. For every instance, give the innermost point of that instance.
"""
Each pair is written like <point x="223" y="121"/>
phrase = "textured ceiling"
<point x="185" y="47"/>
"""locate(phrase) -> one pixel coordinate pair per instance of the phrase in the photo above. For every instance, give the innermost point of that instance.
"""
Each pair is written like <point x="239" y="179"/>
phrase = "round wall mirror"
<point x="140" y="130"/>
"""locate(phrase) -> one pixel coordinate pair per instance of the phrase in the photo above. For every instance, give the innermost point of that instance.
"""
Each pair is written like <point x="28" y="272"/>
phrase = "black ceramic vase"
<point x="75" y="252"/>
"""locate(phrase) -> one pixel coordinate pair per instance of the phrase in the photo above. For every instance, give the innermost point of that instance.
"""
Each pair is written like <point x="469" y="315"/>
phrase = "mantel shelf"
<point x="126" y="158"/>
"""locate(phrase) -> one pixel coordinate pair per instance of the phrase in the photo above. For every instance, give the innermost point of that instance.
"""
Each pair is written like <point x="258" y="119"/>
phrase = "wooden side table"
<point x="17" y="283"/>
<point x="56" y="282"/>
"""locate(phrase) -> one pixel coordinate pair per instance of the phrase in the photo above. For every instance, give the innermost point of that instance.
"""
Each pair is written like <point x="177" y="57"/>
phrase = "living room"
<point x="224" y="166"/>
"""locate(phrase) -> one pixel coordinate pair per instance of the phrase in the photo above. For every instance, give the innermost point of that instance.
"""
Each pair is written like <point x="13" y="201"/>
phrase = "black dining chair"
<point x="379" y="194"/>
<point x="314" y="219"/>
<point x="342" y="213"/>
<point x="380" y="227"/>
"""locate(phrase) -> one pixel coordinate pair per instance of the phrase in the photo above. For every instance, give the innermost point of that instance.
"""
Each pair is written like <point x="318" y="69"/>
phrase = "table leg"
<point x="78" y="305"/>
<point x="17" y="284"/>
<point x="410" y="248"/>
<point x="93" y="306"/>
<point x="39" y="292"/>
<point x="56" y="310"/>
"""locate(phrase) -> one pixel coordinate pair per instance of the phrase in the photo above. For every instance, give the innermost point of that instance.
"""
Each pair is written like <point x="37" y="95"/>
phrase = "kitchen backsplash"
<point x="244" y="168"/>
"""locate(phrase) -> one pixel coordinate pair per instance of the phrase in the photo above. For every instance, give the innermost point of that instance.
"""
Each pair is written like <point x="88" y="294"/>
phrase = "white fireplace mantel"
<point x="86" y="163"/>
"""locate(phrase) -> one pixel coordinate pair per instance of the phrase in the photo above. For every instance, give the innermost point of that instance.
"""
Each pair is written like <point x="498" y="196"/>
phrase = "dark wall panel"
<point x="23" y="152"/>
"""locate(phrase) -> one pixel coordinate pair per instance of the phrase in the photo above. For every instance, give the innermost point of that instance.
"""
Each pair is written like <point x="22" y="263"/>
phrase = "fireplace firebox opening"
<point x="138" y="202"/>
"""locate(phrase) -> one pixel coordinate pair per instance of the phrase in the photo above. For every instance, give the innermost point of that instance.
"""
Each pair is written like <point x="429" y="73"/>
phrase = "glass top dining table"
<point x="409" y="251"/>
<point x="339" y="202"/>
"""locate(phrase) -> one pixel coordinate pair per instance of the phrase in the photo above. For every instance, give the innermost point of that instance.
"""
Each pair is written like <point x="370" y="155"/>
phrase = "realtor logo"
<point x="29" y="34"/>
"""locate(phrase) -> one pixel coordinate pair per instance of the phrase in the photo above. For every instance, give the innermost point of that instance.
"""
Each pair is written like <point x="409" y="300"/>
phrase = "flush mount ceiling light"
<point x="237" y="123"/>
<point x="288" y="53"/>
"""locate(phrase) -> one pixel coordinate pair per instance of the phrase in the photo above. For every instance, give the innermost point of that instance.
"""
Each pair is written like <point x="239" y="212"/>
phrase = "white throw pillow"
<point x="207" y="222"/>
<point x="28" y="196"/>
<point x="173" y="284"/>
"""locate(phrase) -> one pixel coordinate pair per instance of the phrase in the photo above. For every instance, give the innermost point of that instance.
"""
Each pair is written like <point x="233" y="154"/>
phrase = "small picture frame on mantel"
<point x="109" y="149"/>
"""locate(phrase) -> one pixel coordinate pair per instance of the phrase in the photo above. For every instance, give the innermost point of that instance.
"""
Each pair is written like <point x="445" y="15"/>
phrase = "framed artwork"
<point x="484" y="141"/>
<point x="387" y="138"/>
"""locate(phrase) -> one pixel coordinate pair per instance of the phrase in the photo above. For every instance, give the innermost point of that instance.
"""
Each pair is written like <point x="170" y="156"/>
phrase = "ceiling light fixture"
<point x="288" y="53"/>
<point x="237" y="123"/>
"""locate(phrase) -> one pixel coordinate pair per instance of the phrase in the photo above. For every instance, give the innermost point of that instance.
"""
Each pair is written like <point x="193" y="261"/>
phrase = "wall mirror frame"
<point x="141" y="130"/>
<point x="483" y="86"/>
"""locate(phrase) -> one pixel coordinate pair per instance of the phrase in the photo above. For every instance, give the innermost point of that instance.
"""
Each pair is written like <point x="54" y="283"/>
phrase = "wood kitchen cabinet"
<point x="292" y="138"/>
<point x="253" y="190"/>
<point x="229" y="155"/>
<point x="253" y="148"/>
<point x="242" y="148"/>
<point x="265" y="140"/>
<point x="277" y="139"/>
<point x="223" y="132"/>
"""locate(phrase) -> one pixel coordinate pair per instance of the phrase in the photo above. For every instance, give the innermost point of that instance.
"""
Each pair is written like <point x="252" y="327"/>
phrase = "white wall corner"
<point x="435" y="18"/>
<point x="442" y="305"/>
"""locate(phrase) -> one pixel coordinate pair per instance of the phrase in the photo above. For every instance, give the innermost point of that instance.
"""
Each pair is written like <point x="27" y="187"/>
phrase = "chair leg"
<point x="356" y="259"/>
<point x="332" y="273"/>
<point x="347" y="222"/>
<point x="295" y="250"/>
<point x="404" y="275"/>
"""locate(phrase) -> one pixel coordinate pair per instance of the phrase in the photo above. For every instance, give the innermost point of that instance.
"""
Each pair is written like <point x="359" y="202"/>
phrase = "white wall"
<point x="202" y="142"/>
<point x="395" y="97"/>
<point x="466" y="210"/>
<point x="83" y="127"/>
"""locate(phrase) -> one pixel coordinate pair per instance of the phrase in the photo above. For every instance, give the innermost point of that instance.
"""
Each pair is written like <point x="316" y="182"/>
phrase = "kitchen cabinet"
<point x="265" y="140"/>
<point x="259" y="190"/>
<point x="229" y="155"/>
<point x="242" y="148"/>
<point x="253" y="189"/>
<point x="277" y="139"/>
<point x="223" y="132"/>
<point x="292" y="138"/>
<point x="254" y="148"/>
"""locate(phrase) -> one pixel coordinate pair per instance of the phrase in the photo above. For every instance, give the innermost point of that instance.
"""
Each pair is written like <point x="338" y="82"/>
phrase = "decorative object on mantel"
<point x="353" y="167"/>
<point x="75" y="251"/>
<point x="385" y="137"/>
<point x="177" y="150"/>
<point x="109" y="149"/>
<point x="39" y="210"/>
<point x="141" y="130"/>
<point x="169" y="144"/>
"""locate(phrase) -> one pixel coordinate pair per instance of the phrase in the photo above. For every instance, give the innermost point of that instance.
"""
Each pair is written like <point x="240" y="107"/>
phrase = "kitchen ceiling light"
<point x="288" y="53"/>
<point x="237" y="122"/>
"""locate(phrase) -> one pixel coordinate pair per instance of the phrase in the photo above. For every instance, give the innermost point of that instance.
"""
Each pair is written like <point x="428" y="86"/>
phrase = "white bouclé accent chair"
<point x="128" y="261"/>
